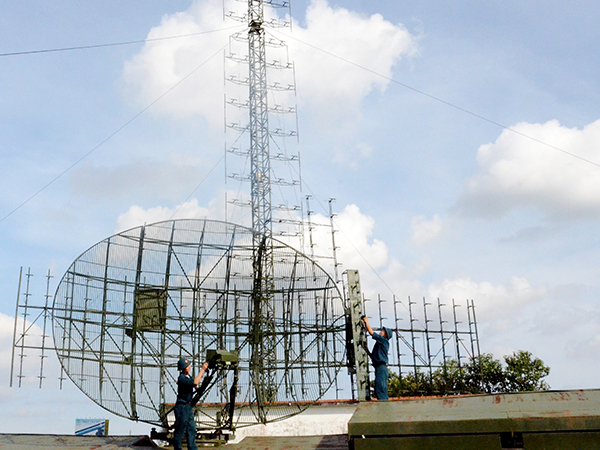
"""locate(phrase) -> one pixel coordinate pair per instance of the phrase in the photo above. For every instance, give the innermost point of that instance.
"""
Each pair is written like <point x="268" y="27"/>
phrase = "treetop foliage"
<point x="521" y="372"/>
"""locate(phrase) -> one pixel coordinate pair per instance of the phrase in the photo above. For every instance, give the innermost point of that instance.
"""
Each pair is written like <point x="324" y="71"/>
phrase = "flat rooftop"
<point x="72" y="442"/>
<point x="531" y="420"/>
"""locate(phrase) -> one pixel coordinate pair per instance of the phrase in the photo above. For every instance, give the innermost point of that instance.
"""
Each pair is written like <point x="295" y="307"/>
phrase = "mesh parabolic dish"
<point x="130" y="306"/>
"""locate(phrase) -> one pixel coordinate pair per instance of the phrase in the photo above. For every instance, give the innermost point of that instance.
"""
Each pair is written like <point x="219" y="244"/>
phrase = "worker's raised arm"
<point x="199" y="377"/>
<point x="365" y="320"/>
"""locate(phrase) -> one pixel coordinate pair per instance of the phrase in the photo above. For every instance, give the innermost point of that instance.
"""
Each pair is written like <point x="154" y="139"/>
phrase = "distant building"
<point x="91" y="427"/>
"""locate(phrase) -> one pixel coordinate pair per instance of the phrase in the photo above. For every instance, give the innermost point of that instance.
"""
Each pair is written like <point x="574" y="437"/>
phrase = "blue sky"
<point x="435" y="194"/>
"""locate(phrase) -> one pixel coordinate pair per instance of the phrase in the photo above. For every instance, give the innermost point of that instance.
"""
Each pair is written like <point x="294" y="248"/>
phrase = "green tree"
<point x="409" y="385"/>
<point x="484" y="374"/>
<point x="525" y="373"/>
<point x="449" y="379"/>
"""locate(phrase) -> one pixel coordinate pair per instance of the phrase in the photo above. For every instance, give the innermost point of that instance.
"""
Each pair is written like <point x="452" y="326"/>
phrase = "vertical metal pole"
<point x="67" y="340"/>
<point x="427" y="338"/>
<point x="84" y="326"/>
<point x="12" y="359"/>
<point x="196" y="344"/>
<point x="443" y="339"/>
<point x="182" y="324"/>
<point x="44" y="336"/>
<point x="474" y="358"/>
<point x="470" y="330"/>
<point x="163" y="324"/>
<point x="359" y="340"/>
<point x="412" y="334"/>
<point x="123" y="381"/>
<point x="398" y="353"/>
<point x="454" y="306"/>
<point x="319" y="343"/>
<point x="301" y="341"/>
<point x="333" y="231"/>
<point x="67" y="337"/>
<point x="103" y="330"/>
<point x="333" y="340"/>
<point x="287" y="335"/>
<point x="476" y="330"/>
<point x="202" y="340"/>
<point x="288" y="315"/>
<point x="138" y="281"/>
<point x="236" y="320"/>
<point x="222" y="325"/>
<point x="311" y="245"/>
<point x="24" y="332"/>
<point x="379" y="302"/>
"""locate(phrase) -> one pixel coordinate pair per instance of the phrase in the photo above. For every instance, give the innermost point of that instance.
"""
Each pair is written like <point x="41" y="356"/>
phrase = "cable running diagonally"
<point x="440" y="100"/>
<point x="112" y="44"/>
<point x="113" y="134"/>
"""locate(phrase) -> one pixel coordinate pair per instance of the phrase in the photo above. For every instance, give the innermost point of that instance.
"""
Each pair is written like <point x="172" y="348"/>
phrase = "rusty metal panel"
<point x="524" y="412"/>
<point x="468" y="442"/>
<point x="560" y="441"/>
<point x="331" y="442"/>
<point x="50" y="442"/>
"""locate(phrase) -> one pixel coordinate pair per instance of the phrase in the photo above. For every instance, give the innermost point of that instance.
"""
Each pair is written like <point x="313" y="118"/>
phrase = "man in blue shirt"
<point x="379" y="357"/>
<point x="184" y="412"/>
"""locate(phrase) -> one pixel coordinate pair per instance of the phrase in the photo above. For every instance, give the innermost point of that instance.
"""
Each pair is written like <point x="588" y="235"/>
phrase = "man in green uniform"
<point x="379" y="357"/>
<point x="184" y="412"/>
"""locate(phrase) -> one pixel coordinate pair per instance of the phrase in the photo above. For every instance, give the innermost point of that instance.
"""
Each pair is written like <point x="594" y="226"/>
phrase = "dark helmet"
<point x="388" y="332"/>
<point x="183" y="363"/>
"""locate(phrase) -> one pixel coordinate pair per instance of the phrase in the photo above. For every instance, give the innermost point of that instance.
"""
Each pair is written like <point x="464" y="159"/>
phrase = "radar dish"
<point x="130" y="306"/>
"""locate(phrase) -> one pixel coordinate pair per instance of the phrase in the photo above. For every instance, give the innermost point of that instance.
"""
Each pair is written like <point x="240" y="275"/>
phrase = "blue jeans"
<point x="381" y="382"/>
<point x="184" y="426"/>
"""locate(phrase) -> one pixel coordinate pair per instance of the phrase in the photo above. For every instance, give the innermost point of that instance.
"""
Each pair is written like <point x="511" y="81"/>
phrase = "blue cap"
<point x="388" y="332"/>
<point x="183" y="363"/>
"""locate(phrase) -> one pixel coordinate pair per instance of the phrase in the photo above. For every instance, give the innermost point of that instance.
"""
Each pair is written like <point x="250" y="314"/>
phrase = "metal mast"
<point x="264" y="357"/>
<point x="260" y="177"/>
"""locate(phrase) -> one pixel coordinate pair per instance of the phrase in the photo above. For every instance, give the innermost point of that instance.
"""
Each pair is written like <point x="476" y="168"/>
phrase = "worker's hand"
<point x="365" y="321"/>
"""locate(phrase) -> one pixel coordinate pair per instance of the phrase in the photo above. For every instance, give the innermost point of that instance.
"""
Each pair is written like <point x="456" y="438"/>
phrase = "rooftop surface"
<point x="529" y="411"/>
<point x="71" y="442"/>
<point x="333" y="442"/>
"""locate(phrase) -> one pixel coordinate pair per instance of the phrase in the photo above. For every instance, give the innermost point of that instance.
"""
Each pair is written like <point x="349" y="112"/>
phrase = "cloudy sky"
<point x="459" y="139"/>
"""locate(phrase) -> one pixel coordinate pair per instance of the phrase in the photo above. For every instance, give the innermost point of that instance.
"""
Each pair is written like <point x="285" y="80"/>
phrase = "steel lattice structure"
<point x="130" y="306"/>
<point x="263" y="362"/>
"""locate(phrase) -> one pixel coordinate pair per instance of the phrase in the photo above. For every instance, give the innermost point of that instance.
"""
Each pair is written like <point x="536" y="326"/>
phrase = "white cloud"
<point x="163" y="63"/>
<point x="326" y="83"/>
<point x="424" y="230"/>
<point x="358" y="249"/>
<point x="137" y="216"/>
<point x="496" y="305"/>
<point x="517" y="172"/>
<point x="331" y="85"/>
<point x="29" y="365"/>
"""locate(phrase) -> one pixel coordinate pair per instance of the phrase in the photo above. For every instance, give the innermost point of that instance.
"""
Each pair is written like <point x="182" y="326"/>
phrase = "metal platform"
<point x="534" y="420"/>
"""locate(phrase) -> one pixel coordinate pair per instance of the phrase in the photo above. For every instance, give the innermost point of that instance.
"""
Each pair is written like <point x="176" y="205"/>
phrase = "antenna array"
<point x="130" y="306"/>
